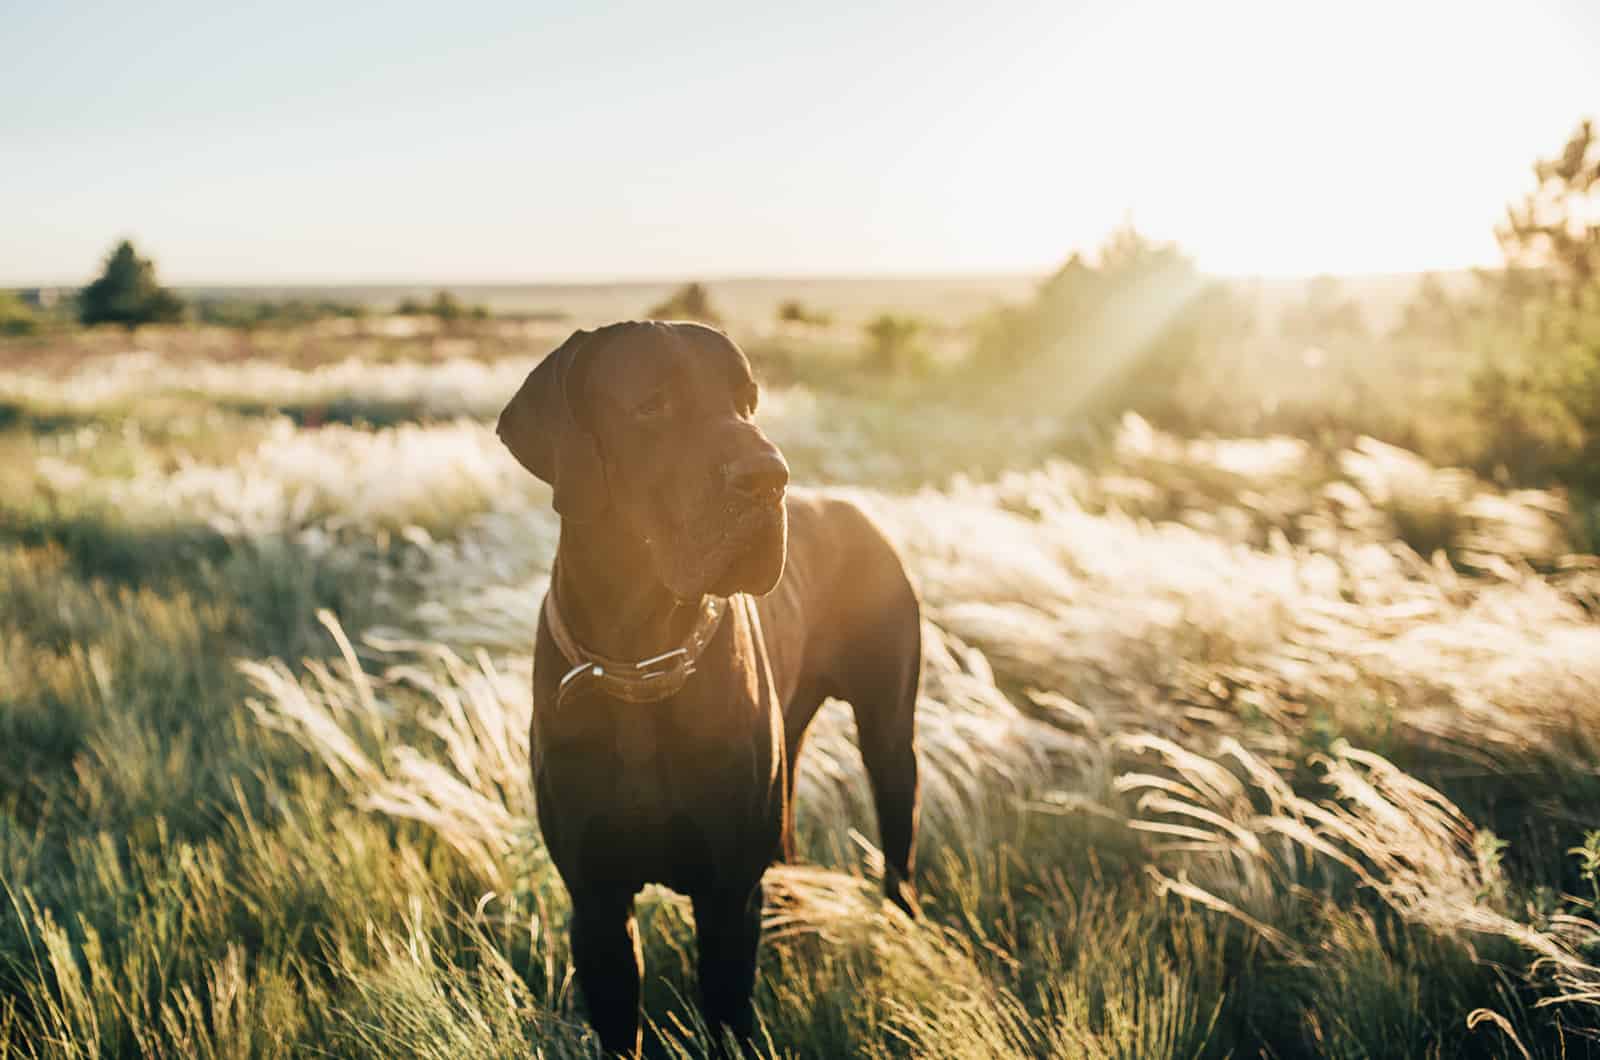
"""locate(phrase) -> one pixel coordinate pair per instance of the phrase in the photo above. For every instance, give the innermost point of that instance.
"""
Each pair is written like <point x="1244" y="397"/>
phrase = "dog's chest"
<point x="682" y="791"/>
<point x="646" y="799"/>
<point x="663" y="767"/>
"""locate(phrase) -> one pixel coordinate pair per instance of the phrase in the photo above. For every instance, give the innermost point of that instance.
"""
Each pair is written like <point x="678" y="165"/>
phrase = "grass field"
<point x="1230" y="747"/>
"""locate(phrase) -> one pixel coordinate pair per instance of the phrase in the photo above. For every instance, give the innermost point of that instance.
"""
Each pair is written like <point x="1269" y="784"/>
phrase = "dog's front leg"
<point x="607" y="958"/>
<point x="728" y="925"/>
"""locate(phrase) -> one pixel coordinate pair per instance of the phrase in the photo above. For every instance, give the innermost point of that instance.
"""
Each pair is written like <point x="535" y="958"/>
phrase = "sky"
<point x="533" y="142"/>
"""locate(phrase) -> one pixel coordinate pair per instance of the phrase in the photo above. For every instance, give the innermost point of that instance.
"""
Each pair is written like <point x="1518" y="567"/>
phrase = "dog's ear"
<point x="538" y="426"/>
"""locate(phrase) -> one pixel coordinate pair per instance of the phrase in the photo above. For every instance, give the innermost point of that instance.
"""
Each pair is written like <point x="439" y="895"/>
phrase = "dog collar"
<point x="646" y="681"/>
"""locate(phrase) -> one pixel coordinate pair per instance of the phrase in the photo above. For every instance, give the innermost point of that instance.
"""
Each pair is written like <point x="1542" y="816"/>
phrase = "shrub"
<point x="127" y="293"/>
<point x="892" y="346"/>
<point x="690" y="302"/>
<point x="248" y="314"/>
<point x="1324" y="313"/>
<point x="15" y="316"/>
<point x="444" y="307"/>
<point x="794" y="311"/>
<point x="1431" y="314"/>
<point x="1539" y="327"/>
<point x="1119" y="334"/>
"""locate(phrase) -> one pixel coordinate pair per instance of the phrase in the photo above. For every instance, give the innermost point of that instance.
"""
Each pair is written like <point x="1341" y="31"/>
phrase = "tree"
<point x="1539" y="327"/>
<point x="1096" y="339"/>
<point x="892" y="346"/>
<point x="248" y="314"/>
<point x="447" y="307"/>
<point x="1432" y="313"/>
<point x="1555" y="230"/>
<point x="1324" y="314"/>
<point x="126" y="293"/>
<point x="794" y="311"/>
<point x="690" y="302"/>
<point x="15" y="316"/>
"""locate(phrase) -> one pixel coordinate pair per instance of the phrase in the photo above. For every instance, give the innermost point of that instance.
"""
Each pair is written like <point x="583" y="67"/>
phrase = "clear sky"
<point x="507" y="142"/>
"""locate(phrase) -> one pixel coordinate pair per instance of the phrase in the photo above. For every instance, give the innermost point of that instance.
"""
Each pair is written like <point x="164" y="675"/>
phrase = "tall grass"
<point x="1229" y="748"/>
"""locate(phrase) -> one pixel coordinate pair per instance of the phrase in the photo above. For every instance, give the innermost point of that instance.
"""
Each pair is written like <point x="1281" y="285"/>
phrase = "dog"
<point x="698" y="614"/>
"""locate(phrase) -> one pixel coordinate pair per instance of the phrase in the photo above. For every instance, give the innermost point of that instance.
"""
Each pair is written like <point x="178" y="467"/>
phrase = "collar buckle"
<point x="645" y="681"/>
<point x="655" y="665"/>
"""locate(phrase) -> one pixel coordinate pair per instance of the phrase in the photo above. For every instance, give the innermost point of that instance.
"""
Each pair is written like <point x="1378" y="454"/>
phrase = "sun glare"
<point x="1270" y="139"/>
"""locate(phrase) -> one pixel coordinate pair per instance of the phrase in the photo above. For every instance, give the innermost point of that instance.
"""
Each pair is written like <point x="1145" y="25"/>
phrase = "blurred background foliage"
<point x="1497" y="370"/>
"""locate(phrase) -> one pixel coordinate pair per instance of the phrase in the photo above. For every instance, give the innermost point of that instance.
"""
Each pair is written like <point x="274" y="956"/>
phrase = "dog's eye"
<point x="652" y="407"/>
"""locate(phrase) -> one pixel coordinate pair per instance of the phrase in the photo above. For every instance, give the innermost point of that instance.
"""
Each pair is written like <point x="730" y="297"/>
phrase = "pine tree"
<point x="127" y="293"/>
<point x="1540" y="385"/>
<point x="1555" y="230"/>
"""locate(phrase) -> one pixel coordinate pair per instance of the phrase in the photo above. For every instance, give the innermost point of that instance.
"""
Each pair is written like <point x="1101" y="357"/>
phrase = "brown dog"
<point x="669" y="702"/>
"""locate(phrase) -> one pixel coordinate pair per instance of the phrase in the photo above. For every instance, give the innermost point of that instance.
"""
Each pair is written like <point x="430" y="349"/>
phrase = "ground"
<point x="1230" y="747"/>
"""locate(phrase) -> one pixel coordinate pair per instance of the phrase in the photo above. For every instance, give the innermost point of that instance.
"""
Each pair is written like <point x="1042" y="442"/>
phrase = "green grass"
<point x="1151" y="825"/>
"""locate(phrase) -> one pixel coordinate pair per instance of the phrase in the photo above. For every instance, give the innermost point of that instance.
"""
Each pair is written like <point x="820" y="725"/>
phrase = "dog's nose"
<point x="758" y="475"/>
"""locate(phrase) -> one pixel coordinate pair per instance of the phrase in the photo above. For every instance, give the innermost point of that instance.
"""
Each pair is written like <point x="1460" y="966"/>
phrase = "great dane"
<point x="698" y="615"/>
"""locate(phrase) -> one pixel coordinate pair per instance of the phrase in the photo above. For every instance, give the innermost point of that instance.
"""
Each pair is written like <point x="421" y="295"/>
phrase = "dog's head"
<point x="648" y="426"/>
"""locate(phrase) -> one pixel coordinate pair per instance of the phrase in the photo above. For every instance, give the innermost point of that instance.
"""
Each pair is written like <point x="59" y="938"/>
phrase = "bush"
<point x="1116" y="335"/>
<point x="1538" y="327"/>
<point x="15" y="316"/>
<point x="690" y="302"/>
<point x="1325" y="313"/>
<point x="444" y="307"/>
<point x="794" y="311"/>
<point x="892" y="346"/>
<point x="1431" y="314"/>
<point x="127" y="293"/>
<point x="249" y="314"/>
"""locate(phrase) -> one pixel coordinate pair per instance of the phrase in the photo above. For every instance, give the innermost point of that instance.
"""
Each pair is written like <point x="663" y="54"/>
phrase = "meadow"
<point x="1232" y="746"/>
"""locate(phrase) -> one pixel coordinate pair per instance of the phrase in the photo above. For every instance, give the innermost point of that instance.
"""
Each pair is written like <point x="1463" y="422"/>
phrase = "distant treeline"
<point x="127" y="293"/>
<point x="1501" y="374"/>
<point x="250" y="313"/>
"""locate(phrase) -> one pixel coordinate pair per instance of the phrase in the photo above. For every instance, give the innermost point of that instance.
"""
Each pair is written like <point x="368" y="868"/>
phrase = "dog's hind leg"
<point x="728" y="926"/>
<point x="884" y="698"/>
<point x="606" y="956"/>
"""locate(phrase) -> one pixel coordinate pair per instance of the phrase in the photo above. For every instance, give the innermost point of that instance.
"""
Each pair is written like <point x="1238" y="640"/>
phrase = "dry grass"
<point x="1223" y="743"/>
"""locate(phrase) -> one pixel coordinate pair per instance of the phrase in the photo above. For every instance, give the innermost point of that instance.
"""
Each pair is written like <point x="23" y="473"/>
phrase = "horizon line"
<point x="657" y="279"/>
